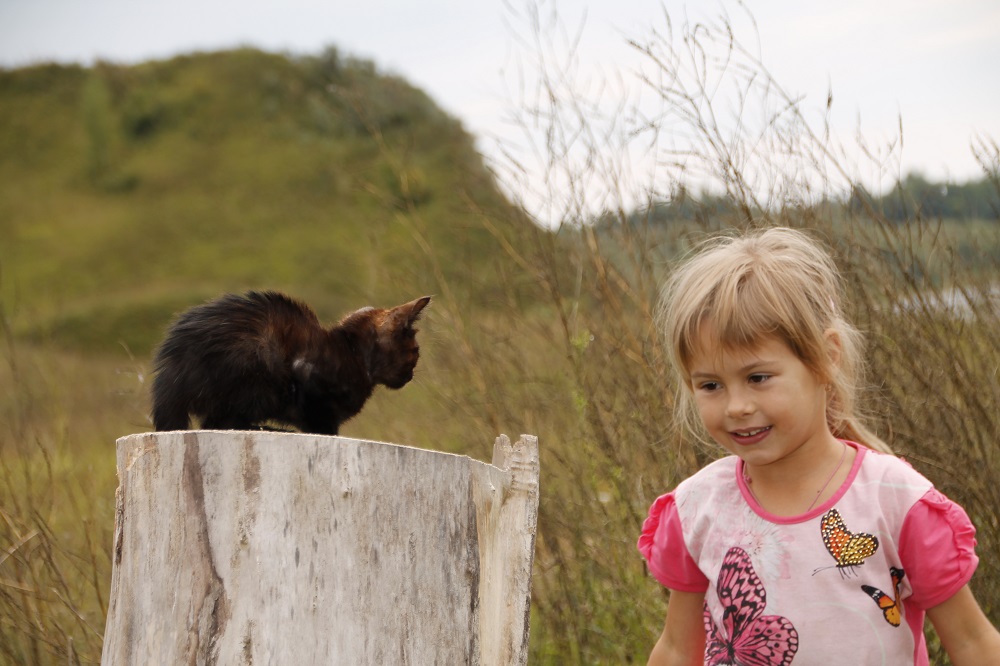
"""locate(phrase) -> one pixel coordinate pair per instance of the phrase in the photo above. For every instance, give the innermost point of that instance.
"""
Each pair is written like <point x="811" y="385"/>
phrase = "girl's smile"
<point x="749" y="437"/>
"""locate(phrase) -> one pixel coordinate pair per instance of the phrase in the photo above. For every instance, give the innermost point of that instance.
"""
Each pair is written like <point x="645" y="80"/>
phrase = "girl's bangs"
<point x="739" y="318"/>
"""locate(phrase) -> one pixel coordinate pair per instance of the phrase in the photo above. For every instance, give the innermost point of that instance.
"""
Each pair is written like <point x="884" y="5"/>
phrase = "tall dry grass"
<point x="54" y="502"/>
<point x="926" y="292"/>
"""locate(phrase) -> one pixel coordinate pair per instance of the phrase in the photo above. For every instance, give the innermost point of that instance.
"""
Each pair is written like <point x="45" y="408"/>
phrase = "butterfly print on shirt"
<point x="746" y="637"/>
<point x="848" y="549"/>
<point x="889" y="605"/>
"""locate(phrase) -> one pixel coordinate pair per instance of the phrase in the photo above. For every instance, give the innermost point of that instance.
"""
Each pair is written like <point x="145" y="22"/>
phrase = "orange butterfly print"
<point x="890" y="606"/>
<point x="849" y="549"/>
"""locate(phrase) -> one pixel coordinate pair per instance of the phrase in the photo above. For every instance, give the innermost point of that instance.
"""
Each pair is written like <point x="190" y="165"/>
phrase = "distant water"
<point x="957" y="302"/>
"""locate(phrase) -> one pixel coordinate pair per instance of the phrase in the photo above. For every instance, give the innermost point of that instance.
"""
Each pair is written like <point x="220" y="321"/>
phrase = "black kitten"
<point x="240" y="361"/>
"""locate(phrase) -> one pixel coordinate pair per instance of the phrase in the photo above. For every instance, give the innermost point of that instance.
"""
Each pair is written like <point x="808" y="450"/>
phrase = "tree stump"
<point x="279" y="548"/>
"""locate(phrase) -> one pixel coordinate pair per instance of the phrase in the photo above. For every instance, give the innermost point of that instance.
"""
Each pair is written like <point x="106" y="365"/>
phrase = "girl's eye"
<point x="759" y="378"/>
<point x="708" y="386"/>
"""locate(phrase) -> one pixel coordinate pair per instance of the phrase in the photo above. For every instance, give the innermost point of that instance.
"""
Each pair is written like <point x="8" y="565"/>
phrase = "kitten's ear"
<point x="404" y="316"/>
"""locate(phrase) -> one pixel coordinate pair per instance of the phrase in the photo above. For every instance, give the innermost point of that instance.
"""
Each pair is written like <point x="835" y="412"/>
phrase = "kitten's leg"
<point x="316" y="425"/>
<point x="222" y="421"/>
<point x="318" y="416"/>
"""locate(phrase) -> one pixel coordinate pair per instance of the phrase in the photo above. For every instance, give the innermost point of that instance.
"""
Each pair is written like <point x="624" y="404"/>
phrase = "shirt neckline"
<point x="815" y="511"/>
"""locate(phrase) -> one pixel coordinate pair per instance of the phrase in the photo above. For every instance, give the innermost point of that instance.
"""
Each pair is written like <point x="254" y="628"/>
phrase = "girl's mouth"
<point x="751" y="436"/>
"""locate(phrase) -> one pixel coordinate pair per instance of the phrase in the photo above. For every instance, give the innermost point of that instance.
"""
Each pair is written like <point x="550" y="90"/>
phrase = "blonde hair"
<point x="775" y="282"/>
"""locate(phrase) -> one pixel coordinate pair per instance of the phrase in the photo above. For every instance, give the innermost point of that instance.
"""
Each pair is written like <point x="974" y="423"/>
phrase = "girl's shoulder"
<point x="882" y="485"/>
<point x="890" y="472"/>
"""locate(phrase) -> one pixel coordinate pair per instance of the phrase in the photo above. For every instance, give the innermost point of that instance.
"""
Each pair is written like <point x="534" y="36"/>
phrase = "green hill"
<point x="131" y="192"/>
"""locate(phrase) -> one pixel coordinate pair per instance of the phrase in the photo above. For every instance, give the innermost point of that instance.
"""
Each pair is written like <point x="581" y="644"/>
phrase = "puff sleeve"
<point x="937" y="549"/>
<point x="662" y="545"/>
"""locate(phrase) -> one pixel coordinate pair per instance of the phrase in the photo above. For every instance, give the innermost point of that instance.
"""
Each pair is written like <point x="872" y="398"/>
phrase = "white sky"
<point x="931" y="62"/>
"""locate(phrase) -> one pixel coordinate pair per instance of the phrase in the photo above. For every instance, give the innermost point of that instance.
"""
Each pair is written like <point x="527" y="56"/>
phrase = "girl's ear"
<point x="834" y="347"/>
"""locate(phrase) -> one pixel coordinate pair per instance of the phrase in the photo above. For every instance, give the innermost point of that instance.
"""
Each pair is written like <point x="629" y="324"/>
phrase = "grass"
<point x="55" y="491"/>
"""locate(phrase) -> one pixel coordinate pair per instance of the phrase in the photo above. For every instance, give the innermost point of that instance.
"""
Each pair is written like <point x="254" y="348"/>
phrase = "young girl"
<point x="811" y="544"/>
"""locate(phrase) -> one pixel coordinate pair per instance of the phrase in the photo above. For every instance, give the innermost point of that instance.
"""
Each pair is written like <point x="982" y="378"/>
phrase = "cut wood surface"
<point x="279" y="548"/>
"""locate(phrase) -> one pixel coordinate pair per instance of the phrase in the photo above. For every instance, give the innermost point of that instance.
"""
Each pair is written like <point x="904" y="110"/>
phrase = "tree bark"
<point x="277" y="548"/>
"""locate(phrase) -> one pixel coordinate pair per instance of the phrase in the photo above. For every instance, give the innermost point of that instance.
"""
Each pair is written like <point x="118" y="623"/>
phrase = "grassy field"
<point x="130" y="193"/>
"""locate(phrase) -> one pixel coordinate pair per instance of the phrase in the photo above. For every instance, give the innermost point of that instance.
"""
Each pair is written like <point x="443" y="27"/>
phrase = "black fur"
<point x="241" y="361"/>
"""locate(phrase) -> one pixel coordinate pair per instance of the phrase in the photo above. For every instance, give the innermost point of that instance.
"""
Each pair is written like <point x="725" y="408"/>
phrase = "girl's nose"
<point x="739" y="404"/>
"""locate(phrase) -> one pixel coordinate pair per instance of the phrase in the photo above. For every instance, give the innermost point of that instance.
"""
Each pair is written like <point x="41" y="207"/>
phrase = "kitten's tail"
<point x="170" y="412"/>
<point x="165" y="419"/>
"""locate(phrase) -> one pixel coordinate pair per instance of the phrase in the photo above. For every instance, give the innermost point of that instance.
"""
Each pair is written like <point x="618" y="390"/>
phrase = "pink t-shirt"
<point x="846" y="583"/>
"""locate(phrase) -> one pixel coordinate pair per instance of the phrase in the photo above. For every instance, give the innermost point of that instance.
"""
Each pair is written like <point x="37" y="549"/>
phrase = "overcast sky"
<point x="931" y="62"/>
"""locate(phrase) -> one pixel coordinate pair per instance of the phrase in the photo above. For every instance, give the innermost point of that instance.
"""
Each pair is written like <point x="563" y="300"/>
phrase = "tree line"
<point x="913" y="197"/>
<point x="916" y="196"/>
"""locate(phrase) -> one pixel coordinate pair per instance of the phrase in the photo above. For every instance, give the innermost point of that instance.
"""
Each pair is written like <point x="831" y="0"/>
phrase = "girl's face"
<point x="762" y="404"/>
